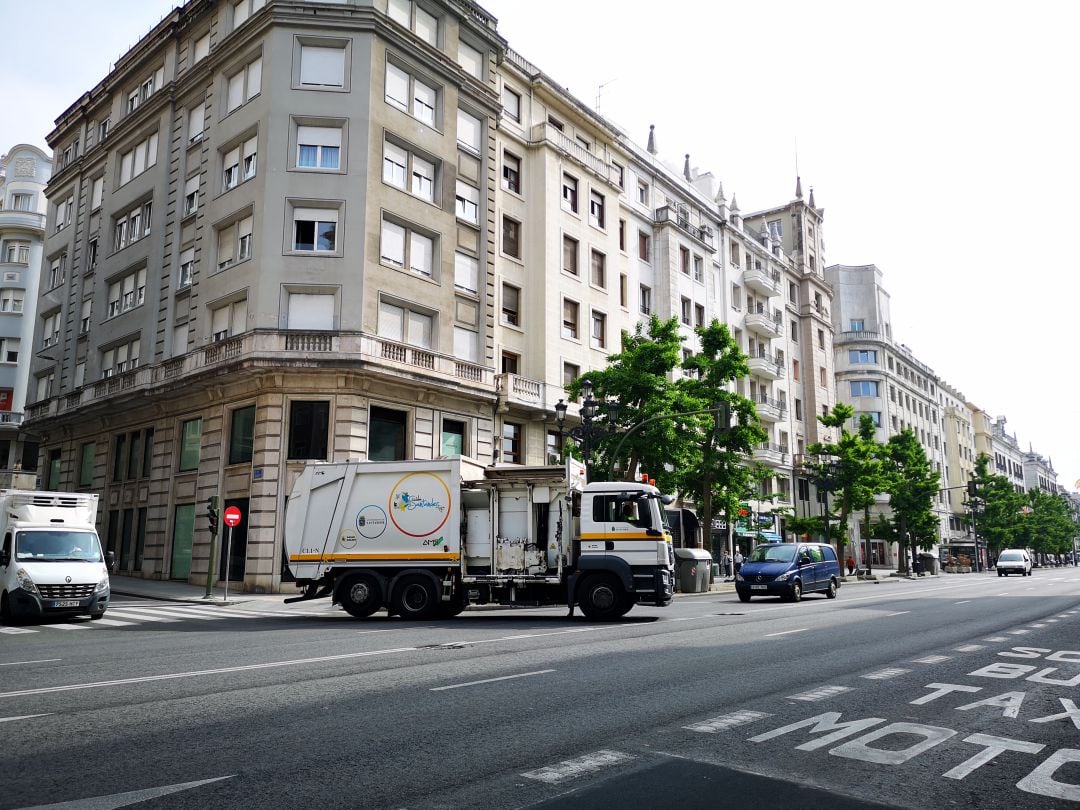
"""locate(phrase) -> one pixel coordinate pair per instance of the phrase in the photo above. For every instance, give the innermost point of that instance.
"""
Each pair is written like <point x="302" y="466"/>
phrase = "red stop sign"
<point x="231" y="516"/>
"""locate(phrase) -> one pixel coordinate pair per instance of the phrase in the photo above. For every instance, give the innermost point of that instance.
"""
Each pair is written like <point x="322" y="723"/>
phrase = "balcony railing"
<point x="13" y="418"/>
<point x="513" y="389"/>
<point x="770" y="410"/>
<point x="766" y="282"/>
<point x="14" y="218"/>
<point x="545" y="132"/>
<point x="765" y="320"/>
<point x="766" y="365"/>
<point x="770" y="453"/>
<point x="681" y="219"/>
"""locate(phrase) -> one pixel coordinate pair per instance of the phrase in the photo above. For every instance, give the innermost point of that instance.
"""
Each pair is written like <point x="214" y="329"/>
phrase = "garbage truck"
<point x="422" y="541"/>
<point x="51" y="563"/>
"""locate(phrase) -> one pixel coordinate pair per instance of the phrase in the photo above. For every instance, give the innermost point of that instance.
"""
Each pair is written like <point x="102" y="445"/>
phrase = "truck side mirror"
<point x="5" y="557"/>
<point x="110" y="560"/>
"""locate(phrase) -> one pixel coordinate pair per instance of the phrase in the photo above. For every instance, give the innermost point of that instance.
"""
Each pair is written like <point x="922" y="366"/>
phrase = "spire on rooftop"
<point x="652" y="140"/>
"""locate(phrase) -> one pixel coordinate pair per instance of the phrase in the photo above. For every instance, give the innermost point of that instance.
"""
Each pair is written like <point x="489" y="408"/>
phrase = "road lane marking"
<point x="111" y="623"/>
<point x="898" y="613"/>
<point x="140" y="615"/>
<point x="1038" y="625"/>
<point x="885" y="674"/>
<point x="11" y="631"/>
<point x="726" y="721"/>
<point x="491" y="680"/>
<point x="38" y="661"/>
<point x="201" y="672"/>
<point x="962" y="602"/>
<point x="997" y="639"/>
<point x="820" y="693"/>
<point x="1022" y="631"/>
<point x="24" y="717"/>
<point x="969" y="648"/>
<point x="571" y="768"/>
<point x="932" y="659"/>
<point x="787" y="632"/>
<point x="116" y="800"/>
<point x="65" y="626"/>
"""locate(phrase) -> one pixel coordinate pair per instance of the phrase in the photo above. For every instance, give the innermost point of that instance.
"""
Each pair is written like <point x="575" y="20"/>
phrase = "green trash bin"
<point x="694" y="566"/>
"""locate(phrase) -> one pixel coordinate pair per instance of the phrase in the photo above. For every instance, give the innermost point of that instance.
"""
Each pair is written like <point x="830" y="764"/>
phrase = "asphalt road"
<point x="958" y="691"/>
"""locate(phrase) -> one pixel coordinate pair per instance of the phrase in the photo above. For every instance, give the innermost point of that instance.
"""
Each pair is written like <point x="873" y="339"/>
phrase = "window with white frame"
<point x="121" y="358"/>
<point x="406" y="247"/>
<point x="864" y="388"/>
<point x="569" y="193"/>
<point x="139" y="158"/>
<point x="467" y="202"/>
<point x="643" y="192"/>
<point x="322" y="66"/>
<point x="132" y="226"/>
<point x="570" y="254"/>
<point x="243" y="85"/>
<point x="9" y="350"/>
<point x="471" y="60"/>
<point x="191" y="195"/>
<point x="699" y="269"/>
<point x="196" y="122"/>
<point x="466" y="272"/>
<point x="511" y="172"/>
<point x="410" y="94"/>
<point x="11" y="300"/>
<point x="50" y="329"/>
<point x="239" y="163"/>
<point x="22" y="202"/>
<point x="228" y="320"/>
<point x="17" y="252"/>
<point x="511" y="102"/>
<point x="511" y="305"/>
<point x="314" y="230"/>
<point x="318" y="147"/>
<point x="466" y="344"/>
<point x="645" y="300"/>
<point x="91" y="255"/>
<point x="469" y="131"/>
<point x="311" y="311"/>
<point x="187" y="268"/>
<point x="242" y="9"/>
<point x="403" y="324"/>
<point x="408" y="171"/>
<point x="598" y="269"/>
<point x="570" y="324"/>
<point x="97" y="192"/>
<point x="126" y="293"/>
<point x="234" y="242"/>
<point x="511" y="237"/>
<point x="413" y="17"/>
<point x="145" y="89"/>
<point x="599" y="330"/>
<point x="57" y="271"/>
<point x="64" y="211"/>
<point x="596" y="209"/>
<point x="84" y="316"/>
<point x="45" y="385"/>
<point x="200" y="48"/>
<point x="684" y="311"/>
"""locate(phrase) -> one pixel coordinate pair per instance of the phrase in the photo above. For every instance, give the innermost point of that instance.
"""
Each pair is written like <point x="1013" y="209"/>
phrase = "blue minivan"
<point x="789" y="570"/>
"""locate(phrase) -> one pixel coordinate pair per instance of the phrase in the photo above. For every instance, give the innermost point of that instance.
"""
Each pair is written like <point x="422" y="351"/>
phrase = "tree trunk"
<point x="706" y="513"/>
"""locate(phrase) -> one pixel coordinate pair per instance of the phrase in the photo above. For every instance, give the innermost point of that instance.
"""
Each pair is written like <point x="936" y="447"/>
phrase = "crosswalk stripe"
<point x="203" y="614"/>
<point x="112" y="623"/>
<point x="66" y="626"/>
<point x="139" y="614"/>
<point x="11" y="631"/>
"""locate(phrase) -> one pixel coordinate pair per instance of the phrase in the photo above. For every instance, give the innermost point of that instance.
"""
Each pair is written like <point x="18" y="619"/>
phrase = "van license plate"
<point x="759" y="587"/>
<point x="66" y="603"/>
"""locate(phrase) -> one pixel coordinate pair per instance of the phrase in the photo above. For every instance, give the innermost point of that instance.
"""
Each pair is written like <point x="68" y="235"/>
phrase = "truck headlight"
<point x="103" y="585"/>
<point x="25" y="582"/>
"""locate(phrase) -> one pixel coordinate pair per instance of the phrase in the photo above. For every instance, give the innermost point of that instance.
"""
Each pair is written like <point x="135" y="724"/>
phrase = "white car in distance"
<point x="1014" y="561"/>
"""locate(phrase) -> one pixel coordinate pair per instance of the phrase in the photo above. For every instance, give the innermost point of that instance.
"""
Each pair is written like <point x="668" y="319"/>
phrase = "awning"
<point x="770" y="537"/>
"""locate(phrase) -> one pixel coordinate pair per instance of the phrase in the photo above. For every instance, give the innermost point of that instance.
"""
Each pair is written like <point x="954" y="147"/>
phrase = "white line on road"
<point x="997" y="638"/>
<point x="569" y="768"/>
<point x="885" y="674"/>
<point x="726" y="721"/>
<point x="787" y="632"/>
<point x="898" y="613"/>
<point x="492" y="680"/>
<point x="39" y="661"/>
<point x="111" y="623"/>
<point x="932" y="659"/>
<point x="820" y="693"/>
<point x="962" y="602"/>
<point x="23" y="717"/>
<point x="11" y="631"/>
<point x="969" y="648"/>
<point x="65" y="626"/>
<point x="125" y="799"/>
<point x="140" y="615"/>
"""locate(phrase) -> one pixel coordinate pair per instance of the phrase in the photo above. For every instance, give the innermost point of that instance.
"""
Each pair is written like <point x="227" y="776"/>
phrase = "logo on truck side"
<point x="419" y="504"/>
<point x="371" y="521"/>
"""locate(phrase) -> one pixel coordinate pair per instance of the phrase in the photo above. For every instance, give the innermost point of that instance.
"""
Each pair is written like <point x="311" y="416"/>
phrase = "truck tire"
<point x="360" y="595"/>
<point x="415" y="597"/>
<point x="5" y="610"/>
<point x="602" y="599"/>
<point x="447" y="610"/>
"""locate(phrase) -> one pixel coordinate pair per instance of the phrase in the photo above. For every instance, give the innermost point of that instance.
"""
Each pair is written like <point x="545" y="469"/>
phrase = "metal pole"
<point x="228" y="559"/>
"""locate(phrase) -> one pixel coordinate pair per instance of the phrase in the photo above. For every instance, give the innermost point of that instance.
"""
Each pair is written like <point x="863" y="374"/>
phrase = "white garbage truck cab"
<point x="51" y="562"/>
<point x="416" y="538"/>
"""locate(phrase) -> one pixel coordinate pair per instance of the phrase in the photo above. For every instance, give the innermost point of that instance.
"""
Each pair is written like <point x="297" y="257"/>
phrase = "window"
<point x="9" y="350"/>
<point x="510" y="363"/>
<point x="734" y="253"/>
<point x="684" y="311"/>
<point x="623" y="290"/>
<point x="467" y="203"/>
<point x="103" y="130"/>
<point x="862" y="356"/>
<point x="798" y="409"/>
<point x="570" y="372"/>
<point x="412" y="16"/>
<point x="795" y="370"/>
<point x="146" y="89"/>
<point x="315" y="230"/>
<point x="645" y="300"/>
<point x="57" y="271"/>
<point x="404" y="325"/>
<point x="858" y="325"/>
<point x="242" y="9"/>
<point x="228" y="320"/>
<point x="190" y="442"/>
<point x="570" y="193"/>
<point x="466" y="343"/>
<point x="22" y="202"/>
<point x="234" y="242"/>
<point x="570" y="319"/>
<point x="776" y="229"/>
<point x="793" y="292"/>
<point x="511" y="237"/>
<point x="309" y="427"/>
<point x="622" y="235"/>
<point x="466" y="272"/>
<point x="452" y="442"/>
<point x="409" y="172"/>
<point x="318" y="147"/>
<point x="127" y="293"/>
<point x="17" y="252"/>
<point x="311" y="311"/>
<point x="794" y="331"/>
<point x="97" y="192"/>
<point x="191" y="195"/>
<point x="598" y="269"/>
<point x="322" y="66"/>
<point x="412" y="95"/>
<point x="45" y="385"/>
<point x="511" y="173"/>
<point x="570" y="254"/>
<point x="699" y="269"/>
<point x="699" y="315"/>
<point x="511" y="103"/>
<point x="64" y="211"/>
<point x="132" y="226"/>
<point x="200" y="49"/>
<point x="471" y="60"/>
<point x="196" y="122"/>
<point x="599" y="330"/>
<point x="823" y="380"/>
<point x="864" y="388"/>
<point x="120" y="359"/>
<point x="406" y="247"/>
<point x="620" y="174"/>
<point x="242" y="435"/>
<point x="643" y="192"/>
<point x="555" y="123"/>
<point x="386" y="434"/>
<point x="243" y="85"/>
<point x="84" y="321"/>
<point x="511" y="305"/>
<point x="11" y="300"/>
<point x="86" y="464"/>
<point x="239" y="163"/>
<point x="821" y="338"/>
<point x="512" y="443"/>
<point x="187" y="268"/>
<point x="596" y="209"/>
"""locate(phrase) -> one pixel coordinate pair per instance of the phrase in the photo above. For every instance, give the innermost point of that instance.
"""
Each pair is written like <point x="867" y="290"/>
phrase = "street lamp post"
<point x="591" y="429"/>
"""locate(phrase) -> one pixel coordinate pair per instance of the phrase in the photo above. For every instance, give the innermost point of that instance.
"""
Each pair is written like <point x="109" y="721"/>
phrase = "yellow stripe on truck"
<point x="621" y="536"/>
<point x="368" y="557"/>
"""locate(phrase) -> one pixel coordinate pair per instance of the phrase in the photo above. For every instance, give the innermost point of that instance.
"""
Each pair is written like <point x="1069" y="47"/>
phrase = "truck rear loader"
<point x="415" y="538"/>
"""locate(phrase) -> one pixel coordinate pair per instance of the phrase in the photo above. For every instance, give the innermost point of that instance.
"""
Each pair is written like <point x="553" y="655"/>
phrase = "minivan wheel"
<point x="744" y="596"/>
<point x="796" y="591"/>
<point x="831" y="590"/>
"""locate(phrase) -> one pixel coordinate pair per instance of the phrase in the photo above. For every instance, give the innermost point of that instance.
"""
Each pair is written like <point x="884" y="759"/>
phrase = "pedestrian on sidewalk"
<point x="725" y="564"/>
<point x="850" y="565"/>
<point x="738" y="560"/>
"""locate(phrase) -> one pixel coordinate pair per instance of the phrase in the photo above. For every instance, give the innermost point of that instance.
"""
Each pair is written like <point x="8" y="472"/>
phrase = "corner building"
<point x="278" y="229"/>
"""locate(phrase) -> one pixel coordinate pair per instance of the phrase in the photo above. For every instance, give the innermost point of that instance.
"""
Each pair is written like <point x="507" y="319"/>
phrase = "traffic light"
<point x="973" y="488"/>
<point x="212" y="513"/>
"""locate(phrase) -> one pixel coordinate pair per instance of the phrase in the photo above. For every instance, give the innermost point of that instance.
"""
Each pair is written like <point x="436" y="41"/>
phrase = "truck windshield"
<point x="49" y="545"/>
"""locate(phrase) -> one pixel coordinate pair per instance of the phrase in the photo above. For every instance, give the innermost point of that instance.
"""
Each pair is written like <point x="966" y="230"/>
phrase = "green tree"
<point x="1046" y="524"/>
<point x="999" y="507"/>
<point x="720" y="475"/>
<point x="912" y="484"/>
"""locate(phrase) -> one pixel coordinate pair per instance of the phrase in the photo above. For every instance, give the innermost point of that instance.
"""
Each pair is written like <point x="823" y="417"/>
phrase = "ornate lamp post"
<point x="591" y="429"/>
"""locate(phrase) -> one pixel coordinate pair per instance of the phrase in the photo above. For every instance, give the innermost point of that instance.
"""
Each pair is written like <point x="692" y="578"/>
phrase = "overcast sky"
<point x="940" y="137"/>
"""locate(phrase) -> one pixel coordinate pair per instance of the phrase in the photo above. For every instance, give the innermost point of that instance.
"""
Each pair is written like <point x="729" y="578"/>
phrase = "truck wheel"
<point x="360" y="595"/>
<point x="602" y="599"/>
<point x="415" y="597"/>
<point x="5" y="610"/>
